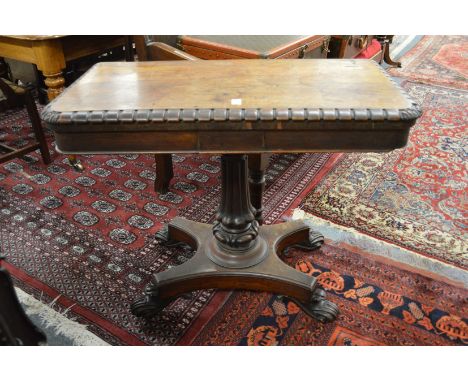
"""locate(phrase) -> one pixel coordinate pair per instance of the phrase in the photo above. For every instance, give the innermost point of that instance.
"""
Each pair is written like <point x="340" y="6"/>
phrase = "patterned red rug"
<point x="89" y="237"/>
<point x="414" y="197"/>
<point x="379" y="305"/>
<point x="439" y="60"/>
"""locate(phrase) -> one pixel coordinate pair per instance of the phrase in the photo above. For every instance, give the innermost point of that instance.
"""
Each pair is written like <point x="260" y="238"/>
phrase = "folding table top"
<point x="267" y="97"/>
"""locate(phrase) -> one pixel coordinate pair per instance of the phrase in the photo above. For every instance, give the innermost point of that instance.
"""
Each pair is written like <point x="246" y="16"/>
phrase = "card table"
<point x="234" y="107"/>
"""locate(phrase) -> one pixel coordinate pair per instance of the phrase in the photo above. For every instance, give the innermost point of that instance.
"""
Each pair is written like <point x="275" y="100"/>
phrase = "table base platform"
<point x="268" y="273"/>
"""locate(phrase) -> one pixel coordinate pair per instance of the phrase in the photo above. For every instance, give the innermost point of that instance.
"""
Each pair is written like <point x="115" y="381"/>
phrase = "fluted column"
<point x="235" y="227"/>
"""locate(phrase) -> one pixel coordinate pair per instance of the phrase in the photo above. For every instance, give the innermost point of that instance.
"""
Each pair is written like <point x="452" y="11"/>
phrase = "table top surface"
<point x="235" y="106"/>
<point x="233" y="84"/>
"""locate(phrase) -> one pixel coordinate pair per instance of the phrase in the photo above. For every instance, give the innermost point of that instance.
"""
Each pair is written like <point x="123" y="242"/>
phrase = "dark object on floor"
<point x="16" y="96"/>
<point x="15" y="326"/>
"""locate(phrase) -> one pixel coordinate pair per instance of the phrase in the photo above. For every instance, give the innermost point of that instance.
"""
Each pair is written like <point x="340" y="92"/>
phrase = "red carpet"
<point x="89" y="237"/>
<point x="379" y="305"/>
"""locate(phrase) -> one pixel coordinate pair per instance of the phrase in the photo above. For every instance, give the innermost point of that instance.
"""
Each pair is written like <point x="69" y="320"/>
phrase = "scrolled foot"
<point x="149" y="305"/>
<point x="319" y="307"/>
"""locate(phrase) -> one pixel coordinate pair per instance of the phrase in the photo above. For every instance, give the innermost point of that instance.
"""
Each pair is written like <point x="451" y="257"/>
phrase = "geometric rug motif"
<point x="414" y="197"/>
<point x="380" y="304"/>
<point x="345" y="337"/>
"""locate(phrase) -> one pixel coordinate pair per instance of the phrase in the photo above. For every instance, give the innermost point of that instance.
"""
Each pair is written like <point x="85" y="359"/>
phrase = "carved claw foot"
<point x="163" y="238"/>
<point x="319" y="307"/>
<point x="149" y="305"/>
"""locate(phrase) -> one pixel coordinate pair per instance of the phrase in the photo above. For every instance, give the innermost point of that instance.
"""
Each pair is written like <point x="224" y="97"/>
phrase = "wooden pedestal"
<point x="237" y="253"/>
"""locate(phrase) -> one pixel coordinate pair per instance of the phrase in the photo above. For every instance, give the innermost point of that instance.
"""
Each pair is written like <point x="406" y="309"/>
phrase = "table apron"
<point x="253" y="141"/>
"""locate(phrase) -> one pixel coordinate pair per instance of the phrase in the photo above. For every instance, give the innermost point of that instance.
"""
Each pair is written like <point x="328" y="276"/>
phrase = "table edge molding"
<point x="409" y="114"/>
<point x="237" y="115"/>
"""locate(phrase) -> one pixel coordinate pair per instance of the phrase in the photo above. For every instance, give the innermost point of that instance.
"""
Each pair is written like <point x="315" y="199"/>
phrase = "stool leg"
<point x="37" y="127"/>
<point x="164" y="172"/>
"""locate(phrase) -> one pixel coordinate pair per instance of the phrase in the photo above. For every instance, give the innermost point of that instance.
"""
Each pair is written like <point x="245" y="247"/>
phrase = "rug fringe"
<point x="379" y="248"/>
<point x="58" y="322"/>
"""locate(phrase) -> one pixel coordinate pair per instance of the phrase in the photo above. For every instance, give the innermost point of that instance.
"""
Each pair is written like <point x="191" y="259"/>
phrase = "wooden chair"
<point x="16" y="96"/>
<point x="148" y="50"/>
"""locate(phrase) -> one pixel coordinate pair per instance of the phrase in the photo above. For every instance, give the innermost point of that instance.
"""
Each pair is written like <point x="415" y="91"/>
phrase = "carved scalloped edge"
<point x="236" y="115"/>
<point x="411" y="113"/>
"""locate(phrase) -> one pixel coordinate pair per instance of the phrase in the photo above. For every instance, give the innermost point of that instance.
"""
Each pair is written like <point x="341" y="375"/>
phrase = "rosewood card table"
<point x="233" y="108"/>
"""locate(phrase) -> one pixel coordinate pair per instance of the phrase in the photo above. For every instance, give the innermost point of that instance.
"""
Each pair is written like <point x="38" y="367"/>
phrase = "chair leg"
<point x="387" y="58"/>
<point x="37" y="127"/>
<point x="164" y="172"/>
<point x="257" y="166"/>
